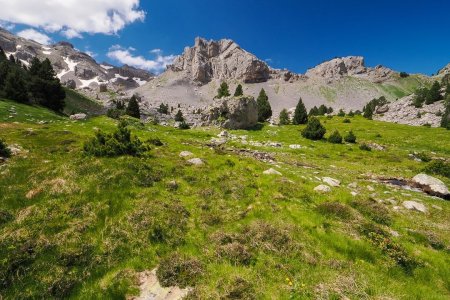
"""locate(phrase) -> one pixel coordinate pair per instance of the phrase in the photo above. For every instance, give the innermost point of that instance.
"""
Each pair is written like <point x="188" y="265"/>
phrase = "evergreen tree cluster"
<point x="321" y="111"/>
<point x="223" y="91"/>
<point x="370" y="107"/>
<point x="163" y="109"/>
<point x="34" y="84"/>
<point x="445" y="122"/>
<point x="428" y="96"/>
<point x="132" y="109"/>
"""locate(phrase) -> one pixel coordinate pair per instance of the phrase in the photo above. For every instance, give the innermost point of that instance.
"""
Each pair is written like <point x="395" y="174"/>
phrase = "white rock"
<point x="431" y="185"/>
<point x="195" y="161"/>
<point x="295" y="146"/>
<point x="185" y="154"/>
<point x="370" y="188"/>
<point x="413" y="205"/>
<point x="322" y="188"/>
<point x="354" y="194"/>
<point x="223" y="134"/>
<point x="331" y="181"/>
<point x="272" y="172"/>
<point x="78" y="117"/>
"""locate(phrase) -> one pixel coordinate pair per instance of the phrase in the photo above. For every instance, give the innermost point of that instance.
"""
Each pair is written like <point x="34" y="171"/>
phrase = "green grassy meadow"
<point x="80" y="227"/>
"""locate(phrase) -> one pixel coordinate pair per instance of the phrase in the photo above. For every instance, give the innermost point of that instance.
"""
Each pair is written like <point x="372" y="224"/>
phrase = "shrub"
<point x="404" y="74"/>
<point x="351" y="113"/>
<point x="115" y="113"/>
<point x="240" y="289"/>
<point x="350" y="138"/>
<point x="438" y="167"/>
<point x="184" y="125"/>
<point x="347" y="121"/>
<point x="155" y="142"/>
<point x="341" y="113"/>
<point x="445" y="122"/>
<point x="369" y="109"/>
<point x="179" y="270"/>
<point x="116" y="144"/>
<point x="4" y="150"/>
<point x="314" y="130"/>
<point x="284" y="117"/>
<point x="163" y="109"/>
<point x="373" y="210"/>
<point x="335" y="138"/>
<point x="423" y="157"/>
<point x="335" y="209"/>
<point x="365" y="147"/>
<point x="179" y="116"/>
<point x="236" y="253"/>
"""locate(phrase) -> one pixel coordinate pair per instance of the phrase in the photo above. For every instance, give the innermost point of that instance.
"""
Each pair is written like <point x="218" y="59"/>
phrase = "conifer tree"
<point x="314" y="111"/>
<point x="264" y="109"/>
<point x="434" y="93"/>
<point x="323" y="110"/>
<point x="238" y="92"/>
<point x="300" y="114"/>
<point x="2" y="55"/>
<point x="284" y="117"/>
<point x="223" y="91"/>
<point x="133" y="109"/>
<point x="15" y="86"/>
<point x="179" y="116"/>
<point x="314" y="130"/>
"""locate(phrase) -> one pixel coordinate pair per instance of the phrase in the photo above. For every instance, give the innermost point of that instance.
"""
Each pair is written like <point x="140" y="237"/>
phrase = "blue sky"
<point x="411" y="36"/>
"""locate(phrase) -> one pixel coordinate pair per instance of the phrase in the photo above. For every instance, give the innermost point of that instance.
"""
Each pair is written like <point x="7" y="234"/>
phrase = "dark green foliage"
<point x="347" y="121"/>
<point x="300" y="114"/>
<point x="284" y="117"/>
<point x="314" y="111"/>
<point x="264" y="109"/>
<point x="369" y="109"/>
<point x="4" y="150"/>
<point x="116" y="144"/>
<point x="341" y="113"/>
<point x="335" y="138"/>
<point x="223" y="91"/>
<point x="179" y="116"/>
<point x="115" y="113"/>
<point x="179" y="270"/>
<point x="365" y="147"/>
<point x="358" y="113"/>
<point x="373" y="210"/>
<point x="351" y="113"/>
<point x="438" y="167"/>
<point x="329" y="110"/>
<point x="133" y="109"/>
<point x="314" y="130"/>
<point x="323" y="110"/>
<point x="184" y="125"/>
<point x="423" y="157"/>
<point x="335" y="209"/>
<point x="15" y="86"/>
<point x="350" y="138"/>
<point x="420" y="97"/>
<point x="238" y="92"/>
<point x="434" y="93"/>
<point x="445" y="122"/>
<point x="163" y="108"/>
<point x="404" y="74"/>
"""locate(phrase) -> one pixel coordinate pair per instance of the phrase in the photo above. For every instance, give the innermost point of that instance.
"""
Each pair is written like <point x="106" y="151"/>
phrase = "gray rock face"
<point x="349" y="66"/>
<point x="221" y="60"/>
<point x="403" y="111"/>
<point x="78" y="117"/>
<point x="322" y="188"/>
<point x="431" y="185"/>
<point x="233" y="113"/>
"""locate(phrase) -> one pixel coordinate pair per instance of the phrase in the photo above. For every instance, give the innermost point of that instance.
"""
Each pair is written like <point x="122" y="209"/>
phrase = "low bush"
<point x="347" y="121"/>
<point x="373" y="210"/>
<point x="116" y="144"/>
<point x="179" y="270"/>
<point x="438" y="167"/>
<point x="335" y="138"/>
<point x="4" y="150"/>
<point x="236" y="253"/>
<point x="314" y="130"/>
<point x="335" y="209"/>
<point x="365" y="147"/>
<point x="184" y="125"/>
<point x="240" y="289"/>
<point x="350" y="138"/>
<point x="423" y="156"/>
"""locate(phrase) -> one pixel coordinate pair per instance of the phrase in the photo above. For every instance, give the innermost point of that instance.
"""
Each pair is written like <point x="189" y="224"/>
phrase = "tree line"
<point x="35" y="84"/>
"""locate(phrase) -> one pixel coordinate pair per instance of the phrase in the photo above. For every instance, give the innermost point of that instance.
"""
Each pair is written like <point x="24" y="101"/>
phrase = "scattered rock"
<point x="16" y="149"/>
<point x="370" y="188"/>
<point x="195" y="161"/>
<point x="352" y="185"/>
<point x="272" y="172"/>
<point x="331" y="181"/>
<point x="354" y="194"/>
<point x="295" y="146"/>
<point x="322" y="188"/>
<point x="185" y="154"/>
<point x="431" y="185"/>
<point x="78" y="117"/>
<point x="223" y="134"/>
<point x="413" y="205"/>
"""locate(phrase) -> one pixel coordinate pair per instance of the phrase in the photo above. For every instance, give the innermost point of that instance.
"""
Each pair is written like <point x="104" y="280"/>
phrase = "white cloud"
<point x="126" y="56"/>
<point x="35" y="35"/>
<point x="73" y="17"/>
<point x="7" y="25"/>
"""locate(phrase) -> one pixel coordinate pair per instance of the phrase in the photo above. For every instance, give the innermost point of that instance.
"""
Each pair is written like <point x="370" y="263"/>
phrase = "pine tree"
<point x="445" y="122"/>
<point x="133" y="109"/>
<point x="314" y="111"/>
<point x="350" y="138"/>
<point x="323" y="110"/>
<point x="238" y="92"/>
<point x="300" y="114"/>
<point x="12" y="59"/>
<point x="284" y="117"/>
<point x="179" y="116"/>
<point x="2" y="55"/>
<point x="223" y="91"/>
<point x="15" y="86"/>
<point x="314" y="130"/>
<point x="434" y="93"/>
<point x="335" y="138"/>
<point x="341" y="113"/>
<point x="264" y="109"/>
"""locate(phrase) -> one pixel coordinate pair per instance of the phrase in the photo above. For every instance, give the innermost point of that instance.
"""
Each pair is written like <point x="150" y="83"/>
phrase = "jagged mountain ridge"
<point x="193" y="78"/>
<point x="74" y="68"/>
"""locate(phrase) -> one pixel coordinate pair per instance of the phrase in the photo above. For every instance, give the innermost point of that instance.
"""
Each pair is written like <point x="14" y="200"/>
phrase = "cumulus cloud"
<point x="36" y="36"/>
<point x="72" y="18"/>
<point x="126" y="56"/>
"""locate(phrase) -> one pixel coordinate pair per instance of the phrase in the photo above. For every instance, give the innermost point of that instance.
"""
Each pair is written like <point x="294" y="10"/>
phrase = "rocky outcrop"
<point x="403" y="111"/>
<point x="221" y="60"/>
<point x="445" y="70"/>
<point x="232" y="113"/>
<point x="337" y="68"/>
<point x="431" y="185"/>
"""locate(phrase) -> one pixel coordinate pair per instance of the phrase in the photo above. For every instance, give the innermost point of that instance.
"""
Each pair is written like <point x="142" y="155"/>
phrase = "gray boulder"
<point x="431" y="185"/>
<point x="233" y="113"/>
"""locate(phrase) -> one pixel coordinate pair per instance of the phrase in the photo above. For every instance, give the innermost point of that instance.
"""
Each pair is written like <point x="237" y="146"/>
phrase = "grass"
<point x="77" y="103"/>
<point x="73" y="226"/>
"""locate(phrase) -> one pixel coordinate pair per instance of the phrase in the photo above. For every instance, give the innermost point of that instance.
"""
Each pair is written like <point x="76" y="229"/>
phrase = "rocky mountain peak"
<point x="349" y="66"/>
<point x="221" y="60"/>
<point x="445" y="70"/>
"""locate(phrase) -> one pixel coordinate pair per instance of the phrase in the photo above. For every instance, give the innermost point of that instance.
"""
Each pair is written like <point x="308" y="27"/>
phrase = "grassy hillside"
<point x="81" y="227"/>
<point x="77" y="103"/>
